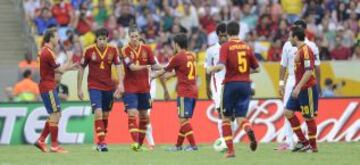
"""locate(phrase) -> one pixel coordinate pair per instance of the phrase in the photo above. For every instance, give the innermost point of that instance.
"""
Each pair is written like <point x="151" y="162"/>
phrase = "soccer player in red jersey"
<point x="304" y="96"/>
<point x="138" y="60"/>
<point x="185" y="70"/>
<point x="49" y="94"/>
<point x="100" y="57"/>
<point x="239" y="60"/>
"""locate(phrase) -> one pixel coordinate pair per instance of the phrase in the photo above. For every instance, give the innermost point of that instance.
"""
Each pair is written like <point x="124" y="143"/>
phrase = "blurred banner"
<point x="345" y="76"/>
<point x="22" y="123"/>
<point x="338" y="120"/>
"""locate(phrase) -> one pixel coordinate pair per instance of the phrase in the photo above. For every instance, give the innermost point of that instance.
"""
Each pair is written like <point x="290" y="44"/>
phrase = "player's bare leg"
<point x="53" y="127"/>
<point x="246" y="126"/>
<point x="303" y="143"/>
<point x="227" y="135"/>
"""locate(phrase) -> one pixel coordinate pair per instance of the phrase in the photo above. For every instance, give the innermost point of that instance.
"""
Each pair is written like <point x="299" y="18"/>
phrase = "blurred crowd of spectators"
<point x="332" y="24"/>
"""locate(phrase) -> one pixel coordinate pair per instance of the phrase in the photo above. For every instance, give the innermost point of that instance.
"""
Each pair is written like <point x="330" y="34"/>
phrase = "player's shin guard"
<point x="99" y="129"/>
<point x="189" y="134"/>
<point x="45" y="132"/>
<point x="312" y="130"/>
<point x="133" y="128"/>
<point x="227" y="134"/>
<point x="53" y="128"/>
<point x="142" y="129"/>
<point x="295" y="124"/>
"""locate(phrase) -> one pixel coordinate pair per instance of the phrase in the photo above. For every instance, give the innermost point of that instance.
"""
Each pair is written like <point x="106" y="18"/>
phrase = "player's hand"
<point x="74" y="66"/>
<point x="80" y="94"/>
<point x="166" y="95"/>
<point x="295" y="92"/>
<point x="119" y="91"/>
<point x="281" y="90"/>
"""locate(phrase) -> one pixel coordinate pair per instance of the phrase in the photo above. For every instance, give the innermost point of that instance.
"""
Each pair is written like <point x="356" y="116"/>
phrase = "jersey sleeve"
<point x="174" y="62"/>
<point x="308" y="58"/>
<point x="284" y="54"/>
<point x="223" y="54"/>
<point x="252" y="59"/>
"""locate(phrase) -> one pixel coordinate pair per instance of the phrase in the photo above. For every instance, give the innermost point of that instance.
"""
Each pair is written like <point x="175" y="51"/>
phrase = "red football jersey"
<point x="304" y="60"/>
<point x="185" y="68"/>
<point x="137" y="81"/>
<point x="238" y="58"/>
<point x="100" y="66"/>
<point x="47" y="69"/>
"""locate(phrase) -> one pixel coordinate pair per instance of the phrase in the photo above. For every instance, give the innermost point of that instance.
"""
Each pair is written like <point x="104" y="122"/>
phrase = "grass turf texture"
<point x="330" y="153"/>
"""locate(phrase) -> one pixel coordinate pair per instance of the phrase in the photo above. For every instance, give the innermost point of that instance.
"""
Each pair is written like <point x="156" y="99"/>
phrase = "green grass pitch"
<point x="330" y="153"/>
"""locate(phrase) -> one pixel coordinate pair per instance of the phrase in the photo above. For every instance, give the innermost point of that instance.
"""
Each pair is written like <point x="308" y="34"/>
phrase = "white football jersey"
<point x="212" y="59"/>
<point x="288" y="54"/>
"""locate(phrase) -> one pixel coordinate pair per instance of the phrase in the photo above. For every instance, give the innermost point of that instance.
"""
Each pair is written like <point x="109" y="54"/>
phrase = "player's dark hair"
<point x="300" y="23"/>
<point x="101" y="32"/>
<point x="298" y="32"/>
<point x="221" y="28"/>
<point x="233" y="28"/>
<point x="27" y="73"/>
<point x="181" y="40"/>
<point x="133" y="28"/>
<point x="50" y="33"/>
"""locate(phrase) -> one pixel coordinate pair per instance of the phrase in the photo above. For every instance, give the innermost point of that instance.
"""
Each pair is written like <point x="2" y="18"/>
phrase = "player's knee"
<point x="98" y="114"/>
<point x="183" y="120"/>
<point x="226" y="119"/>
<point x="288" y="114"/>
<point x="131" y="112"/>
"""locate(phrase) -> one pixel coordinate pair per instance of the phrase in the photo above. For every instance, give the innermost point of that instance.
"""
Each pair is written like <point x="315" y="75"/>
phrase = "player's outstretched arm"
<point x="257" y="70"/>
<point x="166" y="91"/>
<point x="216" y="68"/>
<point x="80" y="76"/>
<point x="134" y="67"/>
<point x="157" y="67"/>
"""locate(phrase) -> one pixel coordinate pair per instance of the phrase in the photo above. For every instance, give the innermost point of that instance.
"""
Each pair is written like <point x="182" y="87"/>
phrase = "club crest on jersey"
<point x="93" y="56"/>
<point x="132" y="55"/>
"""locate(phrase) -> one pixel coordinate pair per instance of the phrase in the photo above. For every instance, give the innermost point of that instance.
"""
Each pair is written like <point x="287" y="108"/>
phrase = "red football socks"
<point x="227" y="134"/>
<point x="99" y="129"/>
<point x="189" y="134"/>
<point x="53" y="128"/>
<point x="142" y="129"/>
<point x="246" y="125"/>
<point x="312" y="130"/>
<point x="133" y="128"/>
<point x="45" y="132"/>
<point x="295" y="124"/>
